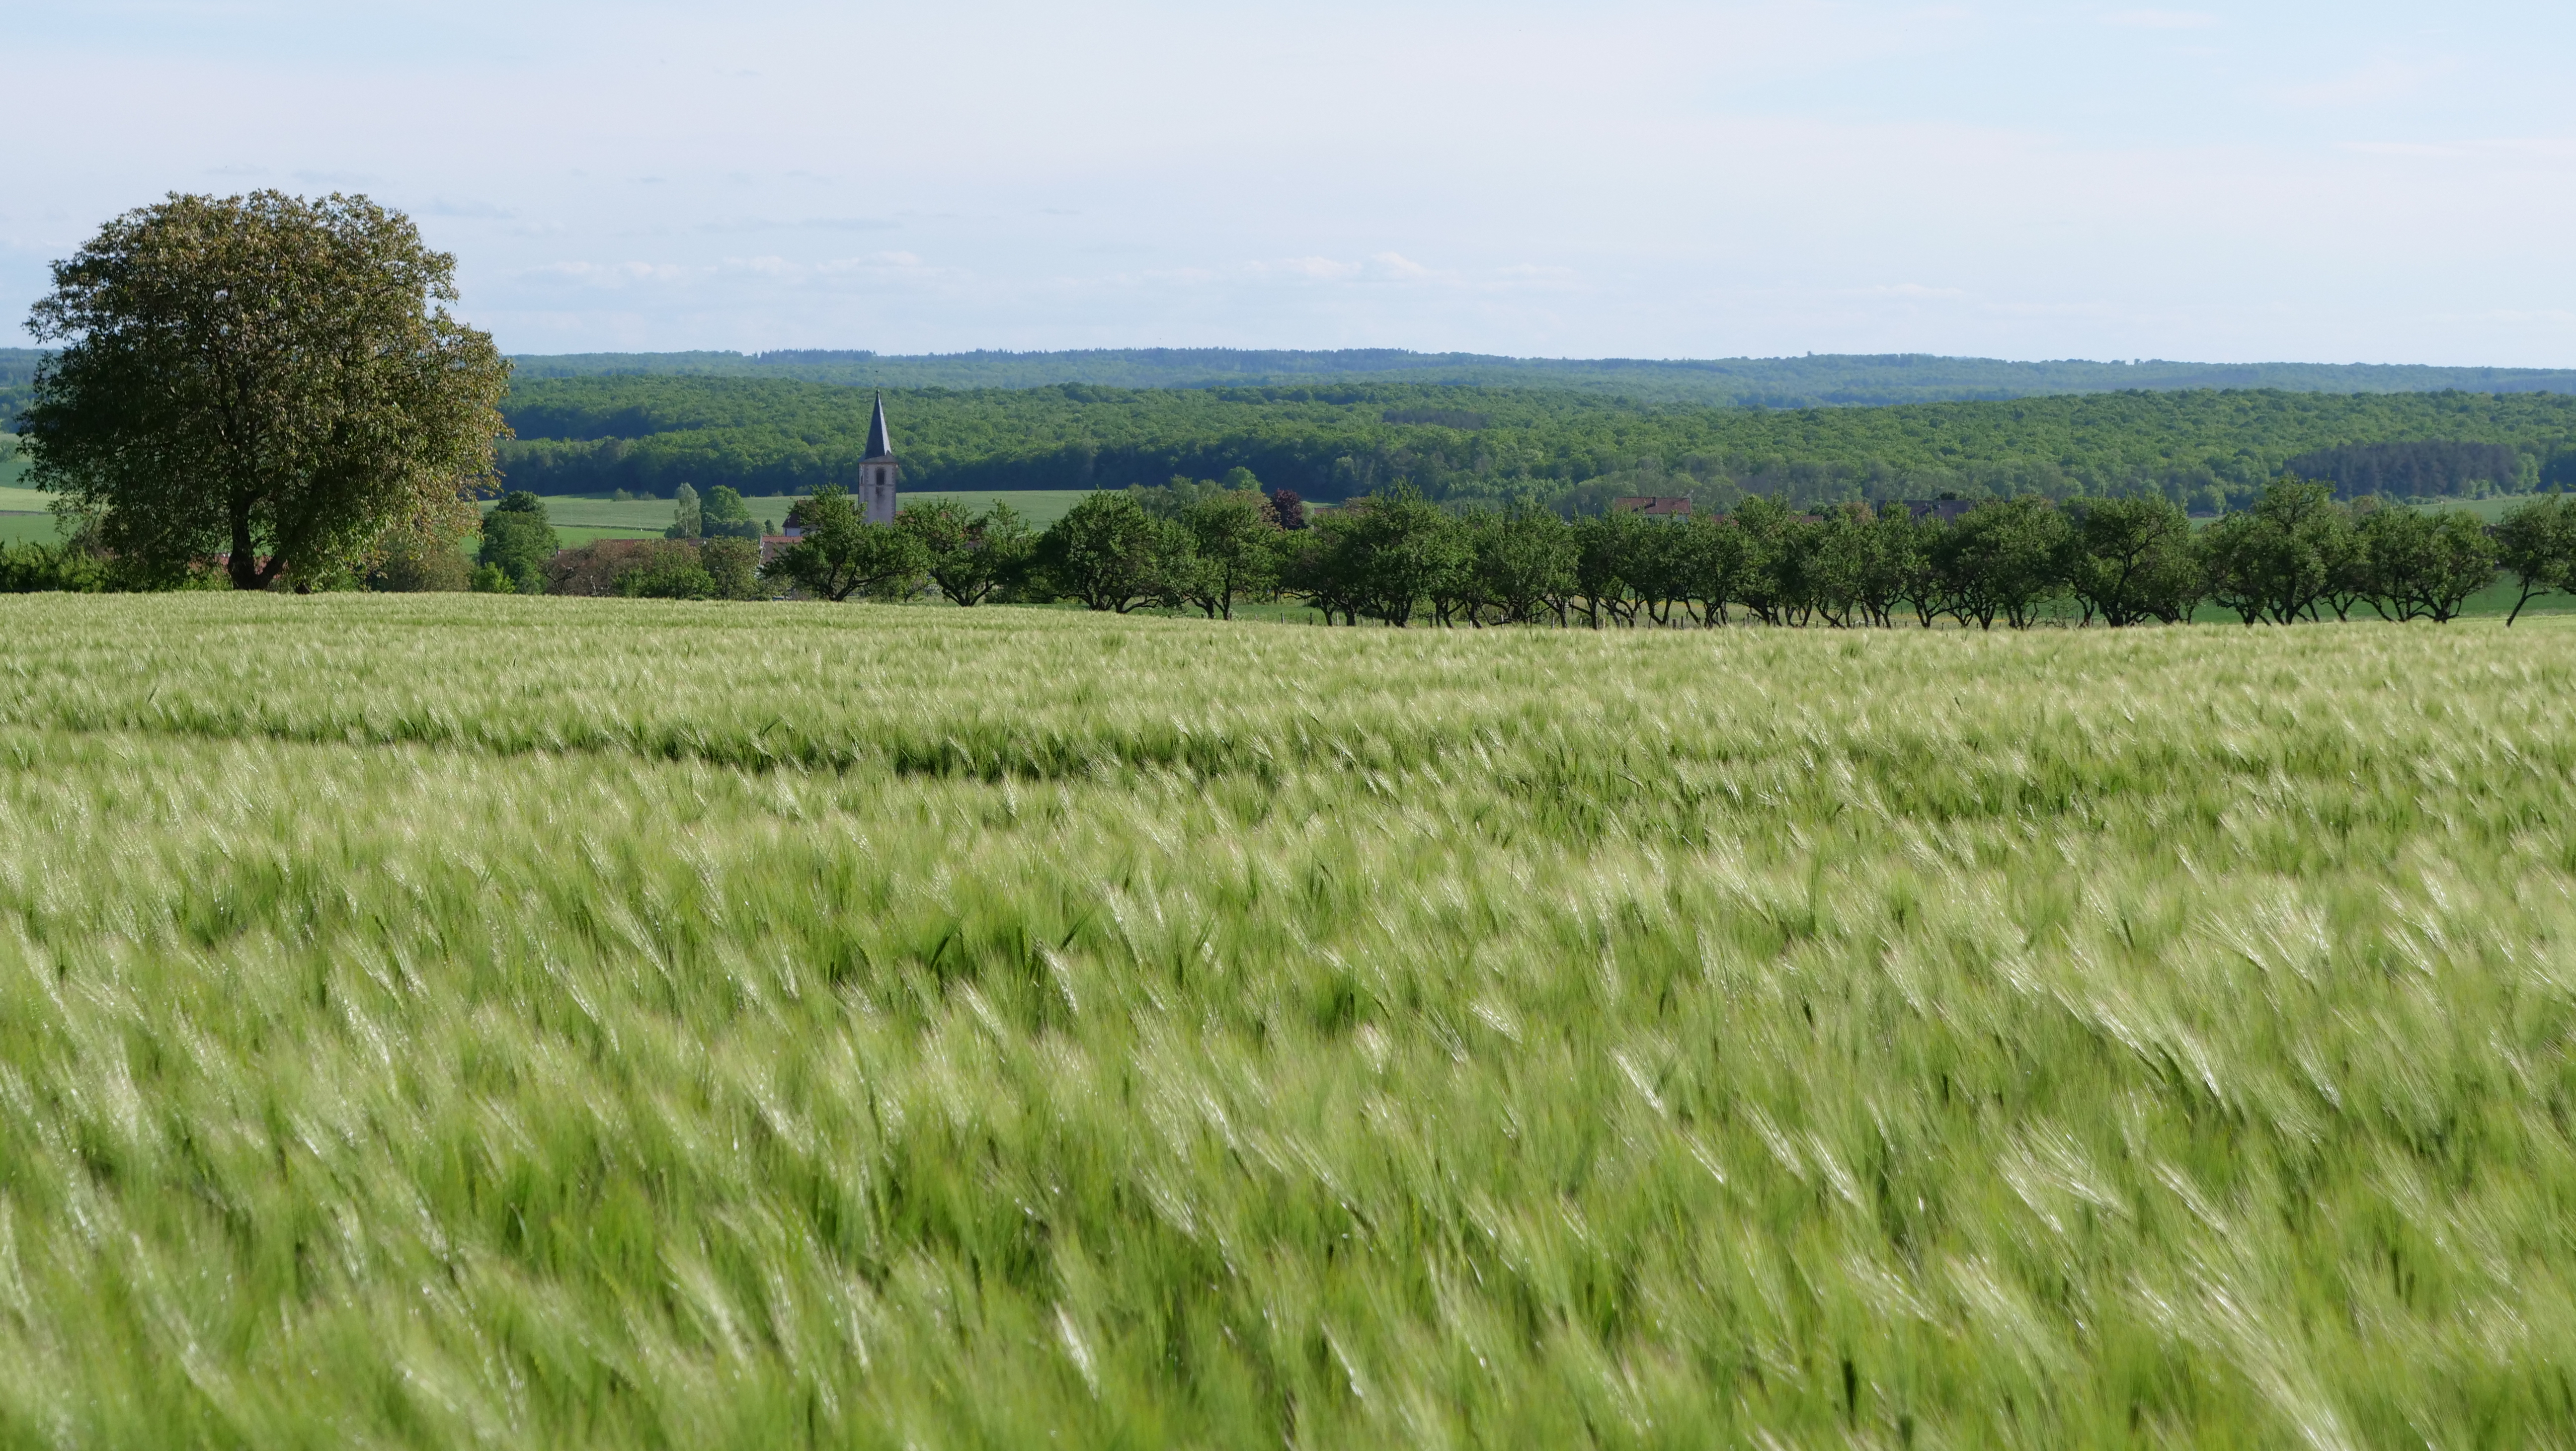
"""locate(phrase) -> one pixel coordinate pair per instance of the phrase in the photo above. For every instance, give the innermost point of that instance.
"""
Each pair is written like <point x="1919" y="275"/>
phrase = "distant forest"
<point x="1813" y="381"/>
<point x="1565" y="435"/>
<point x="1830" y="380"/>
<point x="2206" y="449"/>
<point x="17" y="371"/>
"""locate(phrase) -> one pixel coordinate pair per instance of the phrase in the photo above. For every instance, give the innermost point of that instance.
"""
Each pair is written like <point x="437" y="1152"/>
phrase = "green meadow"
<point x="430" y="1020"/>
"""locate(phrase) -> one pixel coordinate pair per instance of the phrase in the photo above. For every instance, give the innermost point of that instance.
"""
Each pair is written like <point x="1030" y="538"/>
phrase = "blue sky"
<point x="2356" y="181"/>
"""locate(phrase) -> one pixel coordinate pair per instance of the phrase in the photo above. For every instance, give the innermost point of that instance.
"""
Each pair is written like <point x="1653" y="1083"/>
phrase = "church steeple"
<point x="880" y="445"/>
<point x="878" y="471"/>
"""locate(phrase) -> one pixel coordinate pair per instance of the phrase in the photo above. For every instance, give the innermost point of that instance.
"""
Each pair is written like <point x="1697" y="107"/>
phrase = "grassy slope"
<point x="540" y="1021"/>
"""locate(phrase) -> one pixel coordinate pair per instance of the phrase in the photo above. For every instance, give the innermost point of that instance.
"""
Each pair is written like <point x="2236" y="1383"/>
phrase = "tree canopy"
<point x="842" y="554"/>
<point x="1568" y="450"/>
<point x="264" y="378"/>
<point x="518" y="539"/>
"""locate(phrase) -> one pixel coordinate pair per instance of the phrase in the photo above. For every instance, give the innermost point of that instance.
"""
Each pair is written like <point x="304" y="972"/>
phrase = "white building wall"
<point x="875" y="494"/>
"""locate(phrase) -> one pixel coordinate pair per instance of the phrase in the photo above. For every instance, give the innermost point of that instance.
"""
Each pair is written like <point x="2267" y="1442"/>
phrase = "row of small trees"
<point x="1395" y="558"/>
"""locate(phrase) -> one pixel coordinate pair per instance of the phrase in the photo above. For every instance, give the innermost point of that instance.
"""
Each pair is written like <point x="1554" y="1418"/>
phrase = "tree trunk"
<point x="246" y="571"/>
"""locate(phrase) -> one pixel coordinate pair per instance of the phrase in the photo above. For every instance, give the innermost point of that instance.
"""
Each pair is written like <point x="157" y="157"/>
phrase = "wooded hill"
<point x="17" y="372"/>
<point x="1816" y="380"/>
<point x="2204" y="448"/>
<point x="1562" y="432"/>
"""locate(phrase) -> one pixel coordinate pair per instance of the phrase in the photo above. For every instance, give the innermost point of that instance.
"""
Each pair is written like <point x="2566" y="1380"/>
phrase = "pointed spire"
<point x="879" y="444"/>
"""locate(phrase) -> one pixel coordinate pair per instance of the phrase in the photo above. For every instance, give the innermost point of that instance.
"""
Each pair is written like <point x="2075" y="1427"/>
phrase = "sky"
<point x="2353" y="181"/>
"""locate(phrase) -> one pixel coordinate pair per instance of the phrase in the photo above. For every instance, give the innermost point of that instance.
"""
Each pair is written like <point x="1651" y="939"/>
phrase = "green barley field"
<point x="431" y="1021"/>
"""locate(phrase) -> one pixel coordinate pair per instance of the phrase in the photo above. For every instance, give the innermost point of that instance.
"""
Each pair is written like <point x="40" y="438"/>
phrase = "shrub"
<point x="668" y="574"/>
<point x="593" y="569"/>
<point x="37" y="568"/>
<point x="518" y="538"/>
<point x="733" y="567"/>
<point x="421" y="566"/>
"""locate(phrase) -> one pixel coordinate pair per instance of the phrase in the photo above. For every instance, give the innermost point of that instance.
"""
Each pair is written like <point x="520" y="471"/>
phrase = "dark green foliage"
<point x="688" y="518"/>
<point x="1775" y="573"/>
<point x="668" y="569"/>
<point x="518" y="540"/>
<point x="1865" y="561"/>
<point x="2019" y="561"/>
<point x="2536" y="543"/>
<point x="1237" y="542"/>
<point x="268" y="379"/>
<point x="1522" y="565"/>
<point x="1816" y="380"/>
<point x="2001" y="560"/>
<point x="671" y="570"/>
<point x="842" y="554"/>
<point x="2421" y="564"/>
<point x="733" y="567"/>
<point x="2133" y="560"/>
<point x="420" y="566"/>
<point x="38" y="568"/>
<point x="2205" y="450"/>
<point x="726" y="516"/>
<point x="1110" y="554"/>
<point x="2417" y="470"/>
<point x="1381" y="557"/>
<point x="2284" y="557"/>
<point x="1608" y="553"/>
<point x="1714" y="553"/>
<point x="972" y="558"/>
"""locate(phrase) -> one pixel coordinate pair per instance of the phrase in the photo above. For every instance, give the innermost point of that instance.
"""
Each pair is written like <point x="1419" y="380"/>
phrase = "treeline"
<point x="1568" y="451"/>
<point x="1397" y="558"/>
<point x="1816" y="380"/>
<point x="1813" y="381"/>
<point x="17" y="384"/>
<point x="2409" y="470"/>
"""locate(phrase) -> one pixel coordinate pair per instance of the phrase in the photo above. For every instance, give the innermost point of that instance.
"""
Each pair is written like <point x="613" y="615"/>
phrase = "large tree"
<point x="2133" y="560"/>
<point x="518" y="539"/>
<point x="2423" y="565"/>
<point x="1112" y="555"/>
<point x="262" y="377"/>
<point x="841" y="554"/>
<point x="2537" y="542"/>
<point x="1236" y="538"/>
<point x="970" y="557"/>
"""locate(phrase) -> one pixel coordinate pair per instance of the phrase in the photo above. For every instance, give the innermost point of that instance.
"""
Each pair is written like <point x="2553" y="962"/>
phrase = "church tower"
<point x="875" y="494"/>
